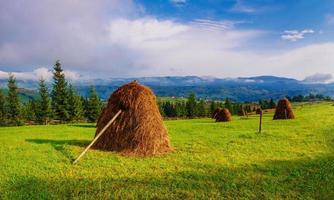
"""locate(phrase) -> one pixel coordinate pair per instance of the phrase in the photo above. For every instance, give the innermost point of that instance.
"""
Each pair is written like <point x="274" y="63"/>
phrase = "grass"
<point x="291" y="159"/>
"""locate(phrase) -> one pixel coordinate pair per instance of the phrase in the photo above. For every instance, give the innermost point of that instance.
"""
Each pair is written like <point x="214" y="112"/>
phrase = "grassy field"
<point x="289" y="160"/>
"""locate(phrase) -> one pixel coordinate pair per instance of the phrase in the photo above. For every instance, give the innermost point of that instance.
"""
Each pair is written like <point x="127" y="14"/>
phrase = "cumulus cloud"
<point x="39" y="73"/>
<point x="294" y="35"/>
<point x="113" y="38"/>
<point x="319" y="78"/>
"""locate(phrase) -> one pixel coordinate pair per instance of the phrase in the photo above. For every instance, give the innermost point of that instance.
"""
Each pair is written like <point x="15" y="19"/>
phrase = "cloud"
<point x="319" y="78"/>
<point x="37" y="74"/>
<point x="178" y="2"/>
<point x="240" y="6"/>
<point x="294" y="35"/>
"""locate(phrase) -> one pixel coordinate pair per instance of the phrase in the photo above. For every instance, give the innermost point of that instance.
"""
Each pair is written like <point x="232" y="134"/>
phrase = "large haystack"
<point x="214" y="114"/>
<point x="284" y="110"/>
<point x="139" y="129"/>
<point x="223" y="115"/>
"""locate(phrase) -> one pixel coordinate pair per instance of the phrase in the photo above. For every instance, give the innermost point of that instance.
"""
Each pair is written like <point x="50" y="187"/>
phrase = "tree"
<point x="2" y="108"/>
<point x="59" y="94"/>
<point x="213" y="107"/>
<point x="228" y="105"/>
<point x="43" y="104"/>
<point x="201" y="112"/>
<point x="13" y="103"/>
<point x="30" y="111"/>
<point x="76" y="110"/>
<point x="94" y="106"/>
<point x="191" y="106"/>
<point x="272" y="104"/>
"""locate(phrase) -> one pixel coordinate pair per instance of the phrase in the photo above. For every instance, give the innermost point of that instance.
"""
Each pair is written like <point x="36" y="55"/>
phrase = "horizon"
<point x="140" y="38"/>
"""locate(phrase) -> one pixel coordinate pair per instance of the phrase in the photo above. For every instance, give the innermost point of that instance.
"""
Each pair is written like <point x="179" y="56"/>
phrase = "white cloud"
<point x="294" y="35"/>
<point x="37" y="74"/>
<point x="240" y="6"/>
<point x="319" y="78"/>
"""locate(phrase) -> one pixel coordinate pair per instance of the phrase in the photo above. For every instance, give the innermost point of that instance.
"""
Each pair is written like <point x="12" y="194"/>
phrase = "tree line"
<point x="62" y="105"/>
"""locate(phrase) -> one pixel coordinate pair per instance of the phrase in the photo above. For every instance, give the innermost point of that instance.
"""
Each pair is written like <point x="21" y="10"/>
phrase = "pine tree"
<point x="76" y="109"/>
<point x="13" y="103"/>
<point x="213" y="107"/>
<point x="94" y="106"/>
<point x="228" y="105"/>
<point x="201" y="112"/>
<point x="30" y="111"/>
<point x="43" y="107"/>
<point x="59" y="94"/>
<point x="272" y="104"/>
<point x="2" y="109"/>
<point x="191" y="106"/>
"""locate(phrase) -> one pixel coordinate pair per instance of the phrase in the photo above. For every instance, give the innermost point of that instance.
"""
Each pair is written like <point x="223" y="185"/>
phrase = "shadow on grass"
<point x="59" y="145"/>
<point x="302" y="179"/>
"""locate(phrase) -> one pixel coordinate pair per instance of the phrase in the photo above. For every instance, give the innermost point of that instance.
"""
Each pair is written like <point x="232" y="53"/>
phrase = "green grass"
<point x="291" y="159"/>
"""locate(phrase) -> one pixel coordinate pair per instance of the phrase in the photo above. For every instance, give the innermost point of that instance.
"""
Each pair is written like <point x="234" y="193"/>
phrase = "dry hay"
<point x="214" y="114"/>
<point x="258" y="111"/>
<point x="284" y="110"/>
<point x="223" y="115"/>
<point x="139" y="129"/>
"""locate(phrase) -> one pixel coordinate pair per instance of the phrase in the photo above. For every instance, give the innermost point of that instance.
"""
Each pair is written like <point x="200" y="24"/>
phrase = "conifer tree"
<point x="94" y="106"/>
<point x="201" y="109"/>
<point x="213" y="107"/>
<point x="2" y="109"/>
<point x="191" y="106"/>
<point x="59" y="94"/>
<point x="76" y="109"/>
<point x="30" y="111"/>
<point x="13" y="103"/>
<point x="272" y="104"/>
<point x="228" y="105"/>
<point x="43" y="105"/>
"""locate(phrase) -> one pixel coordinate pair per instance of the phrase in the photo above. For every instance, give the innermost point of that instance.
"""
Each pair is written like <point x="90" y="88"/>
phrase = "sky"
<point x="131" y="38"/>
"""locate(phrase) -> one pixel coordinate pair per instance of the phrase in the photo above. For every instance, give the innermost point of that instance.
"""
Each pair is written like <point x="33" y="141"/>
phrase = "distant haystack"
<point x="139" y="129"/>
<point x="242" y="112"/>
<point x="223" y="115"/>
<point x="214" y="114"/>
<point x="258" y="111"/>
<point x="284" y="110"/>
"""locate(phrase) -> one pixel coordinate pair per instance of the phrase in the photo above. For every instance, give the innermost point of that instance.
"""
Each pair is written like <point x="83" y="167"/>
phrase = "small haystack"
<point x="139" y="129"/>
<point x="258" y="111"/>
<point x="223" y="115"/>
<point x="214" y="114"/>
<point x="284" y="110"/>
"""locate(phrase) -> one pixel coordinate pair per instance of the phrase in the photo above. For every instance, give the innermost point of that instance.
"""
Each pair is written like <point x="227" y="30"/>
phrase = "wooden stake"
<point x="97" y="137"/>
<point x="260" y="125"/>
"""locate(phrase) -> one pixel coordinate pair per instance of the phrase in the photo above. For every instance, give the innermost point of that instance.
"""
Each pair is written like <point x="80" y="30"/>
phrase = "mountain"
<point x="238" y="89"/>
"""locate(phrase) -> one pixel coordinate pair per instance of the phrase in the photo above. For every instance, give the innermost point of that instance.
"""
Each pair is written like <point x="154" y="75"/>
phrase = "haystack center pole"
<point x="260" y="125"/>
<point x="97" y="137"/>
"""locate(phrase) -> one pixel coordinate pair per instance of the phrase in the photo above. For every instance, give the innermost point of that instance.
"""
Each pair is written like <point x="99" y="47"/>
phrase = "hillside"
<point x="238" y="89"/>
<point x="290" y="159"/>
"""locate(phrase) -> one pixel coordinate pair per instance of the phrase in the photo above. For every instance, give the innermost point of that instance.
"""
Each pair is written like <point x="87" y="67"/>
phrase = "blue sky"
<point x="126" y="38"/>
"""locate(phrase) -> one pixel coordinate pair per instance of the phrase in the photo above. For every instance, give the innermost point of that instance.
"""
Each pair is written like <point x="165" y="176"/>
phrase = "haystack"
<point x="284" y="110"/>
<point x="241" y="112"/>
<point x="223" y="115"/>
<point x="139" y="129"/>
<point x="214" y="114"/>
<point x="258" y="111"/>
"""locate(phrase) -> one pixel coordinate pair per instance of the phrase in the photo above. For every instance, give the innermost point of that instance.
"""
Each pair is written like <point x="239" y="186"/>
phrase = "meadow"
<point x="290" y="159"/>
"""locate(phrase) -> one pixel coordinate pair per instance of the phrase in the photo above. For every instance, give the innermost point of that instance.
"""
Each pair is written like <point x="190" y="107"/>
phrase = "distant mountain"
<point x="238" y="89"/>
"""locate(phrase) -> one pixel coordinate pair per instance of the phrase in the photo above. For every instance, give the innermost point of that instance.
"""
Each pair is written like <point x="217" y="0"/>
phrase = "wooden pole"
<point x="97" y="137"/>
<point x="260" y="125"/>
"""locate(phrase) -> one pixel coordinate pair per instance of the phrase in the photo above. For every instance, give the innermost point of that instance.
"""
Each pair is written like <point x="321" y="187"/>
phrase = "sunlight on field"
<point x="289" y="159"/>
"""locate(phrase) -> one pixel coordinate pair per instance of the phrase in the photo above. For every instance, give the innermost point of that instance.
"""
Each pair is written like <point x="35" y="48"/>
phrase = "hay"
<point x="214" y="114"/>
<point x="139" y="130"/>
<point x="284" y="110"/>
<point x="223" y="115"/>
<point x="258" y="111"/>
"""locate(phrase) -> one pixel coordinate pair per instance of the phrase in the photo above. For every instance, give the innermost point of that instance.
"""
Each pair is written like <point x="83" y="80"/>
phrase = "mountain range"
<point x="238" y="89"/>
